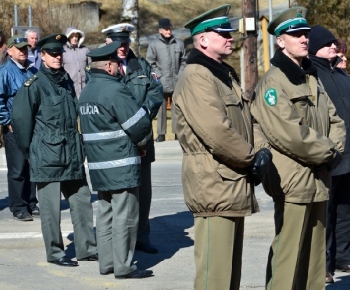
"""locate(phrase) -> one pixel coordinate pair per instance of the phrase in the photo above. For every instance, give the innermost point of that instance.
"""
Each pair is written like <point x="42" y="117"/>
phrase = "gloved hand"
<point x="335" y="161"/>
<point x="261" y="165"/>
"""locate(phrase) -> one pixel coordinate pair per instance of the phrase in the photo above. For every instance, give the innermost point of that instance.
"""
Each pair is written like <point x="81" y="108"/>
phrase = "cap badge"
<point x="58" y="37"/>
<point x="124" y="28"/>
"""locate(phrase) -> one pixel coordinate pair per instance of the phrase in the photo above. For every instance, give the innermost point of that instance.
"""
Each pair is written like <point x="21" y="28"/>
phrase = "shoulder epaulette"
<point x="30" y="80"/>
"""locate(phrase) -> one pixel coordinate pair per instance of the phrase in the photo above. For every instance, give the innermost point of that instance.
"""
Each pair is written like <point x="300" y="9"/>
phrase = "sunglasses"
<point x="329" y="44"/>
<point x="19" y="40"/>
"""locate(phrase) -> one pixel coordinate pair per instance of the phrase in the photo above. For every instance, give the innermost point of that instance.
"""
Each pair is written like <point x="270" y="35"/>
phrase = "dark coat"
<point x="147" y="90"/>
<point x="44" y="120"/>
<point x="337" y="86"/>
<point x="113" y="127"/>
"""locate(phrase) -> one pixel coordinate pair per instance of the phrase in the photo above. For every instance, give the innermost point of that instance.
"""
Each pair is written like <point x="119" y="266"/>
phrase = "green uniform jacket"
<point x="147" y="89"/>
<point x="113" y="127"/>
<point x="300" y="124"/>
<point x="216" y="135"/>
<point x="44" y="121"/>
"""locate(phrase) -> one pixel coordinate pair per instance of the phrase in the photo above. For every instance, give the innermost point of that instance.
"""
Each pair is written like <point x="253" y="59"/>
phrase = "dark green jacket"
<point x="114" y="126"/>
<point x="44" y="121"/>
<point x="148" y="91"/>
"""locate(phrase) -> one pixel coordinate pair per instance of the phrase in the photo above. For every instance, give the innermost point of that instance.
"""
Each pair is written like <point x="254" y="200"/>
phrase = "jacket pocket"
<point x="53" y="107"/>
<point x="230" y="100"/>
<point x="229" y="174"/>
<point x="54" y="151"/>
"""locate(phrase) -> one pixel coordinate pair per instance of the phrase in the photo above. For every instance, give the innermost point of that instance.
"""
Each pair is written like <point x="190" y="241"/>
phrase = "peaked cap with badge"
<point x="17" y="41"/>
<point x="53" y="43"/>
<point x="106" y="52"/>
<point x="290" y="20"/>
<point x="213" y="20"/>
<point x="120" y="32"/>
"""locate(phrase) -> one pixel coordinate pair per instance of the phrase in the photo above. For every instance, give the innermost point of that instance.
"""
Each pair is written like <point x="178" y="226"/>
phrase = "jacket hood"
<point x="70" y="31"/>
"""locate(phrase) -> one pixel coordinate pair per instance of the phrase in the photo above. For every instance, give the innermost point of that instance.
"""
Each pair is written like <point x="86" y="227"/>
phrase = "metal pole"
<point x="272" y="40"/>
<point x="30" y="15"/>
<point x="16" y="15"/>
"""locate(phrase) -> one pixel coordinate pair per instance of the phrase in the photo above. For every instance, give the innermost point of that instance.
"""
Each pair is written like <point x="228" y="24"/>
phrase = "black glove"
<point x="335" y="161"/>
<point x="261" y="165"/>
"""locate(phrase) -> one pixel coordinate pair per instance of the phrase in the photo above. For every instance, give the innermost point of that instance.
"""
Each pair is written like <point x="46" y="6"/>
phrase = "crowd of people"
<point x="290" y="136"/>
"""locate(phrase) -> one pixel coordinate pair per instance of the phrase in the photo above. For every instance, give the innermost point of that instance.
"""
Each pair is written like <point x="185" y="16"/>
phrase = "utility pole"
<point x="250" y="46"/>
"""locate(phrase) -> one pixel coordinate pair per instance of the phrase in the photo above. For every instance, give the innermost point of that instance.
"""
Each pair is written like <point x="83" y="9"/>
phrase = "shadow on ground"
<point x="168" y="234"/>
<point x="340" y="283"/>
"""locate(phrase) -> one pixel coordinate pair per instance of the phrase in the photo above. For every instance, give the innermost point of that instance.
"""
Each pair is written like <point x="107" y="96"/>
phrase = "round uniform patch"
<point x="271" y="97"/>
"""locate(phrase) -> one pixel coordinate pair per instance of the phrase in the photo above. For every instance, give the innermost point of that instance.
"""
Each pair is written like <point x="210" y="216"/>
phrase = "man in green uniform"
<point x="45" y="128"/>
<point x="220" y="165"/>
<point x="299" y="123"/>
<point x="115" y="131"/>
<point x="144" y="85"/>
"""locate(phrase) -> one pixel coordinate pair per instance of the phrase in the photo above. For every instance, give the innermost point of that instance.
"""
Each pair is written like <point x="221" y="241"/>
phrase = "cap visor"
<point x="297" y="29"/>
<point x="54" y="50"/>
<point x="224" y="29"/>
<point x="21" y="44"/>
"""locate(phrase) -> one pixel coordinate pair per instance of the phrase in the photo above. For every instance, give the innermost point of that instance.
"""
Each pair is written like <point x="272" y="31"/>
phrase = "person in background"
<point x="115" y="132"/>
<point x="341" y="51"/>
<point x="75" y="59"/>
<point x="17" y="69"/>
<point x="45" y="127"/>
<point x="323" y="54"/>
<point x="33" y="50"/>
<point x="297" y="119"/>
<point x="144" y="85"/>
<point x="3" y="49"/>
<point x="167" y="56"/>
<point x="220" y="165"/>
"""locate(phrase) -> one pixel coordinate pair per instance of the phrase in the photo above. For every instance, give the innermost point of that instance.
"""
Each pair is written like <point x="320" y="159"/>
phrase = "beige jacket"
<point x="302" y="128"/>
<point x="215" y="132"/>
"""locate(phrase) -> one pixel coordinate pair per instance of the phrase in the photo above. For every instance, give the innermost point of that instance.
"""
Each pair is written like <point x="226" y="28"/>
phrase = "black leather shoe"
<point x="344" y="269"/>
<point x="329" y="278"/>
<point x="147" y="248"/>
<point x="160" y="138"/>
<point x="35" y="211"/>
<point x="23" y="216"/>
<point x="65" y="262"/>
<point x="137" y="274"/>
<point x="93" y="257"/>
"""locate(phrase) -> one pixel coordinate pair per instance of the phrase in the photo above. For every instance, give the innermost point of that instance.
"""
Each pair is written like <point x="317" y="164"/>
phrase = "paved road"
<point x="22" y="255"/>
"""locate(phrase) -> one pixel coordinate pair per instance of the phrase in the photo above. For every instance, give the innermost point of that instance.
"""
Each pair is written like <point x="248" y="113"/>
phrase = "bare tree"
<point x="130" y="14"/>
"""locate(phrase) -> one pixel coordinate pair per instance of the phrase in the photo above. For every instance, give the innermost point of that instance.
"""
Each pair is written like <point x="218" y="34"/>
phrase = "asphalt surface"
<point x="22" y="254"/>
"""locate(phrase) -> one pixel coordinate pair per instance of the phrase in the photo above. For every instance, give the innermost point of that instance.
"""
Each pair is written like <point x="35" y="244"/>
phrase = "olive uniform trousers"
<point x="116" y="230"/>
<point x="162" y="116"/>
<point x="218" y="246"/>
<point x="297" y="255"/>
<point x="78" y="195"/>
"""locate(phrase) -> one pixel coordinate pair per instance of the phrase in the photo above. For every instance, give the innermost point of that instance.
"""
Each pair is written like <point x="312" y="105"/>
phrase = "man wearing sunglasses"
<point x="298" y="121"/>
<point x="220" y="165"/>
<point x="17" y="69"/>
<point x="45" y="127"/>
<point x="323" y="54"/>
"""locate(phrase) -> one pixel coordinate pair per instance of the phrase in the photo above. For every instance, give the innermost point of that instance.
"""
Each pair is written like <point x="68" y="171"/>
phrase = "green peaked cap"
<point x="215" y="20"/>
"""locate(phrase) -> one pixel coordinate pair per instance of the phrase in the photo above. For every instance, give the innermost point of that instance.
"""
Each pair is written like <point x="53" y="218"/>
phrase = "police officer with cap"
<point x="299" y="123"/>
<point x="144" y="85"/>
<point x="220" y="165"/>
<point x="45" y="127"/>
<point x="115" y="132"/>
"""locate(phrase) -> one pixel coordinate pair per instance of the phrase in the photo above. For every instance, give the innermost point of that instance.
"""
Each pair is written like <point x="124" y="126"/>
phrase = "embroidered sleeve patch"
<point x="271" y="97"/>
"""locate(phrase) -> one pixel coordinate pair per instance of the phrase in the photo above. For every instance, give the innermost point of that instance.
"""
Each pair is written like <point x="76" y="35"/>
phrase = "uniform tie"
<point x="121" y="69"/>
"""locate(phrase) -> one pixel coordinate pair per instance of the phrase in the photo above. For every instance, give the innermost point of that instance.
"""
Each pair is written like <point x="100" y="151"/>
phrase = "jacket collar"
<point x="132" y="63"/>
<point x="222" y="71"/>
<point x="295" y="74"/>
<point x="324" y="62"/>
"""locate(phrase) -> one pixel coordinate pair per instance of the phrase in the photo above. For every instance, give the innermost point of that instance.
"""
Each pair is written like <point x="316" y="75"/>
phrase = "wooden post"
<point x="250" y="46"/>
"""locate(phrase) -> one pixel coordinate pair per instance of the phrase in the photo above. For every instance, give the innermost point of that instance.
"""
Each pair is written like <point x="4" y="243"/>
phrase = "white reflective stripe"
<point x="134" y="119"/>
<point x="114" y="163"/>
<point x="144" y="141"/>
<point x="103" y="135"/>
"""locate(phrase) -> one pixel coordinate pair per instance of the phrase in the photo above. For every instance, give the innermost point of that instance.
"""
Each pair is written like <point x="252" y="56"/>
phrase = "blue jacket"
<point x="12" y="77"/>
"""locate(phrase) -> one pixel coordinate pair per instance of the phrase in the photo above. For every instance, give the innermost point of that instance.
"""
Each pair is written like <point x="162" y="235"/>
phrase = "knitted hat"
<point x="319" y="37"/>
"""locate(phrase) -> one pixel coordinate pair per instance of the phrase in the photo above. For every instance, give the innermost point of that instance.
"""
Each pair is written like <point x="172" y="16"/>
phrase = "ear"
<point x="203" y="40"/>
<point x="280" y="41"/>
